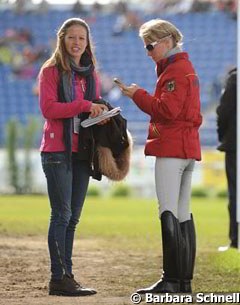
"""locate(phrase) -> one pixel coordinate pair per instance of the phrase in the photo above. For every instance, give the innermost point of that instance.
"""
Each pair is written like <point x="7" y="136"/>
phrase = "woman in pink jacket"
<point x="173" y="138"/>
<point x="68" y="85"/>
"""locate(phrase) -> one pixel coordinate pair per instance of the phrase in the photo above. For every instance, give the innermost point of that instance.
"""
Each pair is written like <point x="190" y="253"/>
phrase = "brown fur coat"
<point x="108" y="147"/>
<point x="115" y="168"/>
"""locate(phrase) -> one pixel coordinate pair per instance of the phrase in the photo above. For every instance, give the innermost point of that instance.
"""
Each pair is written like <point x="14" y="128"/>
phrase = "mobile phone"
<point x="118" y="82"/>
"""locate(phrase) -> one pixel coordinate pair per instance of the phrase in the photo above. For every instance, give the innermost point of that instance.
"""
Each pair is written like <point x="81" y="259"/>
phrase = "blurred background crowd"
<point x="27" y="38"/>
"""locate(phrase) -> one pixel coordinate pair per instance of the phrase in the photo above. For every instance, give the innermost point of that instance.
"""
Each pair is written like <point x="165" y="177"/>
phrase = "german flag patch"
<point x="171" y="86"/>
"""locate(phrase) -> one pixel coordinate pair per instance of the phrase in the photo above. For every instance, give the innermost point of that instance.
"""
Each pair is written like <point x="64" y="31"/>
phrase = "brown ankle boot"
<point x="67" y="286"/>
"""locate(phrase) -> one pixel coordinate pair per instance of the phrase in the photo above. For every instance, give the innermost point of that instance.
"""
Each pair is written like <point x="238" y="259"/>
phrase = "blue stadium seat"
<point x="210" y="39"/>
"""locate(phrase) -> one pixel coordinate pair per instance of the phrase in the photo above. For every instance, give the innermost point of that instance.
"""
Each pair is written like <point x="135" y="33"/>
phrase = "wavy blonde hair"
<point x="156" y="29"/>
<point x="60" y="55"/>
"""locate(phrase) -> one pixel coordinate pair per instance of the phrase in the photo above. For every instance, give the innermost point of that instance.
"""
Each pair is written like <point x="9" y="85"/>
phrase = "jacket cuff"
<point x="85" y="106"/>
<point x="137" y="96"/>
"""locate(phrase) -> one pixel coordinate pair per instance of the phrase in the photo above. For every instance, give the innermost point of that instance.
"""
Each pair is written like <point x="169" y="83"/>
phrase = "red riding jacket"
<point x="174" y="109"/>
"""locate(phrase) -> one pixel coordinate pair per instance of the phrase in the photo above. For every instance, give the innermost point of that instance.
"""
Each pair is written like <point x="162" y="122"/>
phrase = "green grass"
<point x="131" y="218"/>
<point x="129" y="223"/>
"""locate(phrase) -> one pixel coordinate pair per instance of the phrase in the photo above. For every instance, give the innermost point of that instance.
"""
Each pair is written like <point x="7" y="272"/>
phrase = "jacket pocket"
<point x="154" y="131"/>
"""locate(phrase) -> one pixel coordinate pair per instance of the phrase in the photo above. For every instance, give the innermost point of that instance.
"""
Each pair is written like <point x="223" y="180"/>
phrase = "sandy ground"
<point x="24" y="273"/>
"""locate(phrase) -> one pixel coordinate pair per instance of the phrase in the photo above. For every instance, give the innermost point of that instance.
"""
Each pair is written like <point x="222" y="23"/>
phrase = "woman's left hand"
<point x="104" y="122"/>
<point x="129" y="90"/>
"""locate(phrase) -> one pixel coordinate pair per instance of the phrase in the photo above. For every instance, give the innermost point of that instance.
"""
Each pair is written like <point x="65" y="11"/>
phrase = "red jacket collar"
<point x="163" y="63"/>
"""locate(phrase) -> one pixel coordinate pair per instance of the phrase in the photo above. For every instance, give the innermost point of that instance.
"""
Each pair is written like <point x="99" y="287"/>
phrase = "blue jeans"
<point x="67" y="188"/>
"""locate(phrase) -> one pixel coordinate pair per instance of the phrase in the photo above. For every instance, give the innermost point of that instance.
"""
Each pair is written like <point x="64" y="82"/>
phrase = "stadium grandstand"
<point x="27" y="36"/>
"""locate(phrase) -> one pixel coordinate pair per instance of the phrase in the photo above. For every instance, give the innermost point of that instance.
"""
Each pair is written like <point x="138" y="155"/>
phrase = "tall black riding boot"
<point x="188" y="254"/>
<point x="171" y="245"/>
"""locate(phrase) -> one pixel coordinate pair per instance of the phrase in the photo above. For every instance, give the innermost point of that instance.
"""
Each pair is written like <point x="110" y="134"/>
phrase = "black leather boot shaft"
<point x="172" y="262"/>
<point x="188" y="254"/>
<point x="172" y="246"/>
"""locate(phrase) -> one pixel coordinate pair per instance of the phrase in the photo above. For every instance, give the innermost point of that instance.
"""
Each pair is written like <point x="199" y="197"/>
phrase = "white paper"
<point x="105" y="115"/>
<point x="76" y="124"/>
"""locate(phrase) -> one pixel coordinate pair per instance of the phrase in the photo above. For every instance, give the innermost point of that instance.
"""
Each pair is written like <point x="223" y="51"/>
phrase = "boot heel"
<point x="185" y="286"/>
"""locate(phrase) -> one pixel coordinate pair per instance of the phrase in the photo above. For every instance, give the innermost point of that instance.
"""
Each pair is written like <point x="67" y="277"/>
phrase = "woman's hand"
<point x="97" y="109"/>
<point x="129" y="90"/>
<point x="104" y="122"/>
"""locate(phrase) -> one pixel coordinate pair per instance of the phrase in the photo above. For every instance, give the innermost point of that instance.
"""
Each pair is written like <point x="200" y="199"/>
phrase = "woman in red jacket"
<point x="173" y="139"/>
<point x="68" y="84"/>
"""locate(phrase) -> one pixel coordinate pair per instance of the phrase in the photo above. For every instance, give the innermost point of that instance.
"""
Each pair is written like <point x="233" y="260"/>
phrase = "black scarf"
<point x="66" y="94"/>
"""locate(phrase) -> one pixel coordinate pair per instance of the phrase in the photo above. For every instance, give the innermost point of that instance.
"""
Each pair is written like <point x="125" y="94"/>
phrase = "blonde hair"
<point x="60" y="55"/>
<point x="156" y="29"/>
